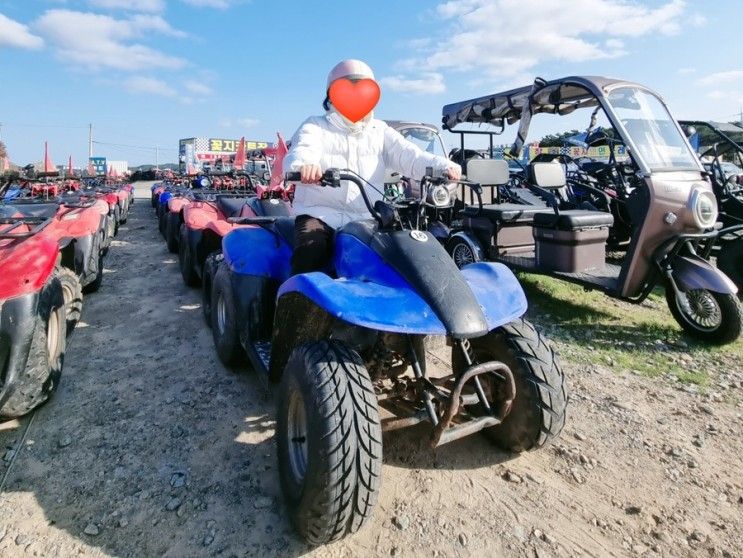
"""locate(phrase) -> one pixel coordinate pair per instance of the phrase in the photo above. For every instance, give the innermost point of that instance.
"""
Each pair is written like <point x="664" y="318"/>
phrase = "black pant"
<point x="313" y="244"/>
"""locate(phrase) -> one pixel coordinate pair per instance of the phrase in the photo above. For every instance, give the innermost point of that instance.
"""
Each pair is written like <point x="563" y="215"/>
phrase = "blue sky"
<point x="148" y="72"/>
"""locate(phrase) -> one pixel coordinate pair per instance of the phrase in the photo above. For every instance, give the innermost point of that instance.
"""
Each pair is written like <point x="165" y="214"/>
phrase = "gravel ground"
<point x="151" y="447"/>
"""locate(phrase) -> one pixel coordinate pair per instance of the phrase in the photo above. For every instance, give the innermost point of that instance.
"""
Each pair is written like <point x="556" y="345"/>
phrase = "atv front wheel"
<point x="224" y="323"/>
<point x="162" y="220"/>
<point x="186" y="259"/>
<point x="329" y="441"/>
<point x="537" y="413"/>
<point x="40" y="377"/>
<point x="72" y="292"/>
<point x="711" y="317"/>
<point x="461" y="252"/>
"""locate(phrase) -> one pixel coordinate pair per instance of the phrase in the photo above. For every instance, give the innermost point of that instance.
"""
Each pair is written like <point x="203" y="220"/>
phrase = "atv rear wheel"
<point x="537" y="413"/>
<point x="207" y="278"/>
<point x="40" y="377"/>
<point x="97" y="261"/>
<point x="162" y="220"/>
<point x="72" y="292"/>
<point x="117" y="217"/>
<point x="329" y="440"/>
<point x="186" y="259"/>
<point x="225" y="330"/>
<point x="124" y="213"/>
<point x="172" y="229"/>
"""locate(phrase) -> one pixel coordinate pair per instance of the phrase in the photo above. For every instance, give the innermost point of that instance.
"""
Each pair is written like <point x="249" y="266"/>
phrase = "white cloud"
<point x="17" y="35"/>
<point x="502" y="38"/>
<point x="247" y="122"/>
<point x="149" y="86"/>
<point x="197" y="88"/>
<point x="149" y="6"/>
<point x="238" y="122"/>
<point x="219" y="4"/>
<point x="100" y="41"/>
<point x="718" y="78"/>
<point x="427" y="83"/>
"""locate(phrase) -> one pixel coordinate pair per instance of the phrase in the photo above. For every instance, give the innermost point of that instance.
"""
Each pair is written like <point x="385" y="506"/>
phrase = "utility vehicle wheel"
<point x="186" y="260"/>
<point x="329" y="441"/>
<point x="172" y="229"/>
<point x="207" y="279"/>
<point x="730" y="262"/>
<point x="45" y="356"/>
<point x="97" y="264"/>
<point x="224" y="323"/>
<point x="711" y="317"/>
<point x="537" y="414"/>
<point x="72" y="292"/>
<point x="461" y="252"/>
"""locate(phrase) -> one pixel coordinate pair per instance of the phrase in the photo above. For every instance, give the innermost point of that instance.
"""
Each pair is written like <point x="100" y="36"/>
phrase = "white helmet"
<point x="354" y="69"/>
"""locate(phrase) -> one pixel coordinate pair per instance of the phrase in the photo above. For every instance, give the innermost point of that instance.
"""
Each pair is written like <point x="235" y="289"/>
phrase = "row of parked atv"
<point x="54" y="235"/>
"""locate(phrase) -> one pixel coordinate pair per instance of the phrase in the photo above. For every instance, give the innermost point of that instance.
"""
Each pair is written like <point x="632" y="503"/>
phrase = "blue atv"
<point x="344" y="342"/>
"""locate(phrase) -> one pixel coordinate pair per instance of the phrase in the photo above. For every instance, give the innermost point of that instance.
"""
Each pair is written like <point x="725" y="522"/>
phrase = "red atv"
<point x="32" y="311"/>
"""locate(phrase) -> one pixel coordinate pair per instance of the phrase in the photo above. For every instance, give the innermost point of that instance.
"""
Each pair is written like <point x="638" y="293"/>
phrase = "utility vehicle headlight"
<point x="704" y="208"/>
<point x="440" y="196"/>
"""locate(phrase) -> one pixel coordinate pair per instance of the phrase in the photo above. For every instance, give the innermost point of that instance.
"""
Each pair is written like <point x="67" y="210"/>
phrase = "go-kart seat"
<point x="550" y="176"/>
<point x="494" y="173"/>
<point x="230" y="206"/>
<point x="573" y="220"/>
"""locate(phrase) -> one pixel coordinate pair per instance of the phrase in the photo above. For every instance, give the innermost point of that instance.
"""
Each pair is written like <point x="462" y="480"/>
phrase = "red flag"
<point x="277" y="172"/>
<point x="69" y="167"/>
<point x="48" y="166"/>
<point x="240" y="155"/>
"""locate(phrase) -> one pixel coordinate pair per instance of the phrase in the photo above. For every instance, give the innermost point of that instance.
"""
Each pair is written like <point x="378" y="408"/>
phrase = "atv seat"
<point x="573" y="220"/>
<point x="230" y="206"/>
<point x="284" y="227"/>
<point x="507" y="212"/>
<point x="43" y="210"/>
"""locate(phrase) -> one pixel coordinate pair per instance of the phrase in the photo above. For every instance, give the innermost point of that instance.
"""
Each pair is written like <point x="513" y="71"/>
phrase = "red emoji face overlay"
<point x="354" y="99"/>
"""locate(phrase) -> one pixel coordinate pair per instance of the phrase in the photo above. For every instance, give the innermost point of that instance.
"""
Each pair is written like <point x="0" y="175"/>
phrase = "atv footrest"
<point x="444" y="432"/>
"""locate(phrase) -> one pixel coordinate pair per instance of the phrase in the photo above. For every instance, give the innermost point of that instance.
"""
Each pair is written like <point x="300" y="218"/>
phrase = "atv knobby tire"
<point x="96" y="264"/>
<point x="537" y="414"/>
<point x="186" y="259"/>
<point x="162" y="220"/>
<point x="225" y="330"/>
<point x="73" y="296"/>
<point x="117" y="217"/>
<point x="330" y="457"/>
<point x="40" y="377"/>
<point x="172" y="231"/>
<point x="207" y="279"/>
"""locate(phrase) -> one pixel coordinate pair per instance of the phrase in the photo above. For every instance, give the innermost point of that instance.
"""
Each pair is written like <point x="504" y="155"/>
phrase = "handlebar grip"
<point x="293" y="176"/>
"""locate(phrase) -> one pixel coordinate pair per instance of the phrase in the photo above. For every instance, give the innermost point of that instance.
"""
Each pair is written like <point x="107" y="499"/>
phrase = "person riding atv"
<point x="366" y="146"/>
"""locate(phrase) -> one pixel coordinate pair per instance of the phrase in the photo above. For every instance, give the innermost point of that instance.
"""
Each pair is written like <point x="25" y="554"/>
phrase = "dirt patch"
<point x="151" y="447"/>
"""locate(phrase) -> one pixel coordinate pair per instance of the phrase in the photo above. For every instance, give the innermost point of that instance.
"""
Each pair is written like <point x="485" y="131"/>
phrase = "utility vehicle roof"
<point x="726" y="127"/>
<point x="558" y="96"/>
<point x="396" y="124"/>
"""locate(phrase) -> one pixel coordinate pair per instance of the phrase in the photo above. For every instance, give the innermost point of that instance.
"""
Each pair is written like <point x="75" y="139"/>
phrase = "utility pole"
<point x="90" y="141"/>
<point x="157" y="157"/>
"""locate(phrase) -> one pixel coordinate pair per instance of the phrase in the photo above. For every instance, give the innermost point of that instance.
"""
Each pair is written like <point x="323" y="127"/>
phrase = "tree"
<point x="557" y="140"/>
<point x="3" y="151"/>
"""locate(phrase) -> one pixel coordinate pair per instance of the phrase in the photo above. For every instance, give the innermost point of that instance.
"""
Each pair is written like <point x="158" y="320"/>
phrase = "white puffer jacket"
<point x="367" y="147"/>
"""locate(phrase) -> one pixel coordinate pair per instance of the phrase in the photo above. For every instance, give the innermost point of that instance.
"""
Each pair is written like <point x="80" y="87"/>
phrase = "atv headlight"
<point x="704" y="208"/>
<point x="440" y="196"/>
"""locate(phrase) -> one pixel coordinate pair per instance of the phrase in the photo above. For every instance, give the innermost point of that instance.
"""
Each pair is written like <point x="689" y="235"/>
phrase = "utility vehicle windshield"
<point x="651" y="128"/>
<point x="425" y="138"/>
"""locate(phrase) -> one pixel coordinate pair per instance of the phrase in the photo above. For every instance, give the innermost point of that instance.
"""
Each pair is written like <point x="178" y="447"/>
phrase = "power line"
<point x="144" y="147"/>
